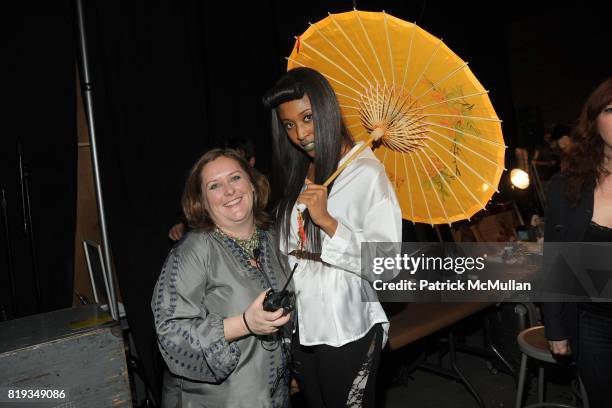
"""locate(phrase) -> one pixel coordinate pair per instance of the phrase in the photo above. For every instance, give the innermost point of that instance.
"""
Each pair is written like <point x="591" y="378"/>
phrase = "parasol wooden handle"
<point x="374" y="136"/>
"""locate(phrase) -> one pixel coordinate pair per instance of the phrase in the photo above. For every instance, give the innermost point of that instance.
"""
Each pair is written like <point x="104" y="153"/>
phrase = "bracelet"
<point x="246" y="324"/>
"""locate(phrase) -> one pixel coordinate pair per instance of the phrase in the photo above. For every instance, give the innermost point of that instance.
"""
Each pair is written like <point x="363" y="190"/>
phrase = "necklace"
<point x="248" y="245"/>
<point x="301" y="231"/>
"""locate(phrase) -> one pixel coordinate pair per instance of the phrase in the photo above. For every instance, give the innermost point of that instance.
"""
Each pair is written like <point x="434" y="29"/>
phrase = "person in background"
<point x="221" y="347"/>
<point x="546" y="158"/>
<point x="565" y="149"/>
<point x="580" y="210"/>
<point x="342" y="326"/>
<point x="245" y="147"/>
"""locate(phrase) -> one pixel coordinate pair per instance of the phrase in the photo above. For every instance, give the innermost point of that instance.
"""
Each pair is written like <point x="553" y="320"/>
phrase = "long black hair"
<point x="290" y="164"/>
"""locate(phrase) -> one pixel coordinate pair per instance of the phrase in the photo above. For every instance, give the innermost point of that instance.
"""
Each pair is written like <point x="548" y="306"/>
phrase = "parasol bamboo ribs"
<point x="374" y="136"/>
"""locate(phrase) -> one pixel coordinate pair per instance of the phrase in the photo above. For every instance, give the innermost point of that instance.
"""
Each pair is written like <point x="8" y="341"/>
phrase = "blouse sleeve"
<point x="190" y="338"/>
<point x="382" y="222"/>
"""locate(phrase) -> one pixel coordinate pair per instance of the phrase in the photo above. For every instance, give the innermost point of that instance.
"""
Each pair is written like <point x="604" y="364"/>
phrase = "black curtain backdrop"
<point x="38" y="94"/>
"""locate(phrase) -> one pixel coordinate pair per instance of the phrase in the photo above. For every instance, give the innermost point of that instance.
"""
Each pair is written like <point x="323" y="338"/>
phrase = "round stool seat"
<point x="533" y="343"/>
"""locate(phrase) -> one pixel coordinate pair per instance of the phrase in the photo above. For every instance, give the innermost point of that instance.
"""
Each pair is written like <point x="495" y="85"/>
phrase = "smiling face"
<point x="296" y="117"/>
<point x="228" y="196"/>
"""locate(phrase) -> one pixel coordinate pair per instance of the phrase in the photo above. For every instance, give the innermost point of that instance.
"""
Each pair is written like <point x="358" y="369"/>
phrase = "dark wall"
<point x="556" y="59"/>
<point x="38" y="94"/>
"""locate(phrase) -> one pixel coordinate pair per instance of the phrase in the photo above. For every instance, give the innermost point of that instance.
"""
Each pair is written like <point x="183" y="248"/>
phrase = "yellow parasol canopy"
<point x="429" y="120"/>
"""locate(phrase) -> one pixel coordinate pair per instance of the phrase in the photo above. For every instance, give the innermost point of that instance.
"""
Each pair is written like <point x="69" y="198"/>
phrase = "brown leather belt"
<point x="311" y="256"/>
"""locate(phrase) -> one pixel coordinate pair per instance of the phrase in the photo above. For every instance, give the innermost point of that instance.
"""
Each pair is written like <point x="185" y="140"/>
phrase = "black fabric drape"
<point x="38" y="94"/>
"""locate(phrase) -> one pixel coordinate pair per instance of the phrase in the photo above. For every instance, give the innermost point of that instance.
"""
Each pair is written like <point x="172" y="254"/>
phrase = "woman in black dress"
<point x="580" y="210"/>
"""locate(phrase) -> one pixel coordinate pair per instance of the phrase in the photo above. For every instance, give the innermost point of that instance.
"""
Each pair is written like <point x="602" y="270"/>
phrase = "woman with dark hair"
<point x="341" y="325"/>
<point x="580" y="210"/>
<point x="221" y="348"/>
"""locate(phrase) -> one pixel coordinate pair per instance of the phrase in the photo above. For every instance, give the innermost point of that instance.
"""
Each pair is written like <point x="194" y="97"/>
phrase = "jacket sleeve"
<point x="382" y="222"/>
<point x="554" y="313"/>
<point x="190" y="338"/>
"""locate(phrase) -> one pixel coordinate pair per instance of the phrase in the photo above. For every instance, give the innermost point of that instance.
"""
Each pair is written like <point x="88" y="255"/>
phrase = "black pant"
<point x="327" y="375"/>
<point x="594" y="361"/>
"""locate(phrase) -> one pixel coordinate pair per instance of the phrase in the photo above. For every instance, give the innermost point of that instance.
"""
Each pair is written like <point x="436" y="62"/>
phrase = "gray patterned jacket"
<point x="206" y="278"/>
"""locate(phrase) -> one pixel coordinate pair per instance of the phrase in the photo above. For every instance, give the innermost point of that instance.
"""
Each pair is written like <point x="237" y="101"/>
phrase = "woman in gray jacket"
<point x="221" y="347"/>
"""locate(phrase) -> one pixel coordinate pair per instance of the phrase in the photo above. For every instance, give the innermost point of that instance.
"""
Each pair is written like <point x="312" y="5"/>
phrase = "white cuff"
<point x="334" y="249"/>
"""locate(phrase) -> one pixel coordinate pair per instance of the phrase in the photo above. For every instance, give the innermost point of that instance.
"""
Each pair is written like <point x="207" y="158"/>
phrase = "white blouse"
<point x="335" y="304"/>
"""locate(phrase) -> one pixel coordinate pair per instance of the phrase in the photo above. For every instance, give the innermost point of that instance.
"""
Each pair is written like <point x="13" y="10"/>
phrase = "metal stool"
<point x="533" y="343"/>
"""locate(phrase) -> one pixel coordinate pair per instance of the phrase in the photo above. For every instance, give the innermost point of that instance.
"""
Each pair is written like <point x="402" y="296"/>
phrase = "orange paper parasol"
<point x="417" y="103"/>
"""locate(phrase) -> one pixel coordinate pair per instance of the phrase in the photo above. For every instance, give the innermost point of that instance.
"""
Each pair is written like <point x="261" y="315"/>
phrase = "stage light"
<point x="519" y="179"/>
